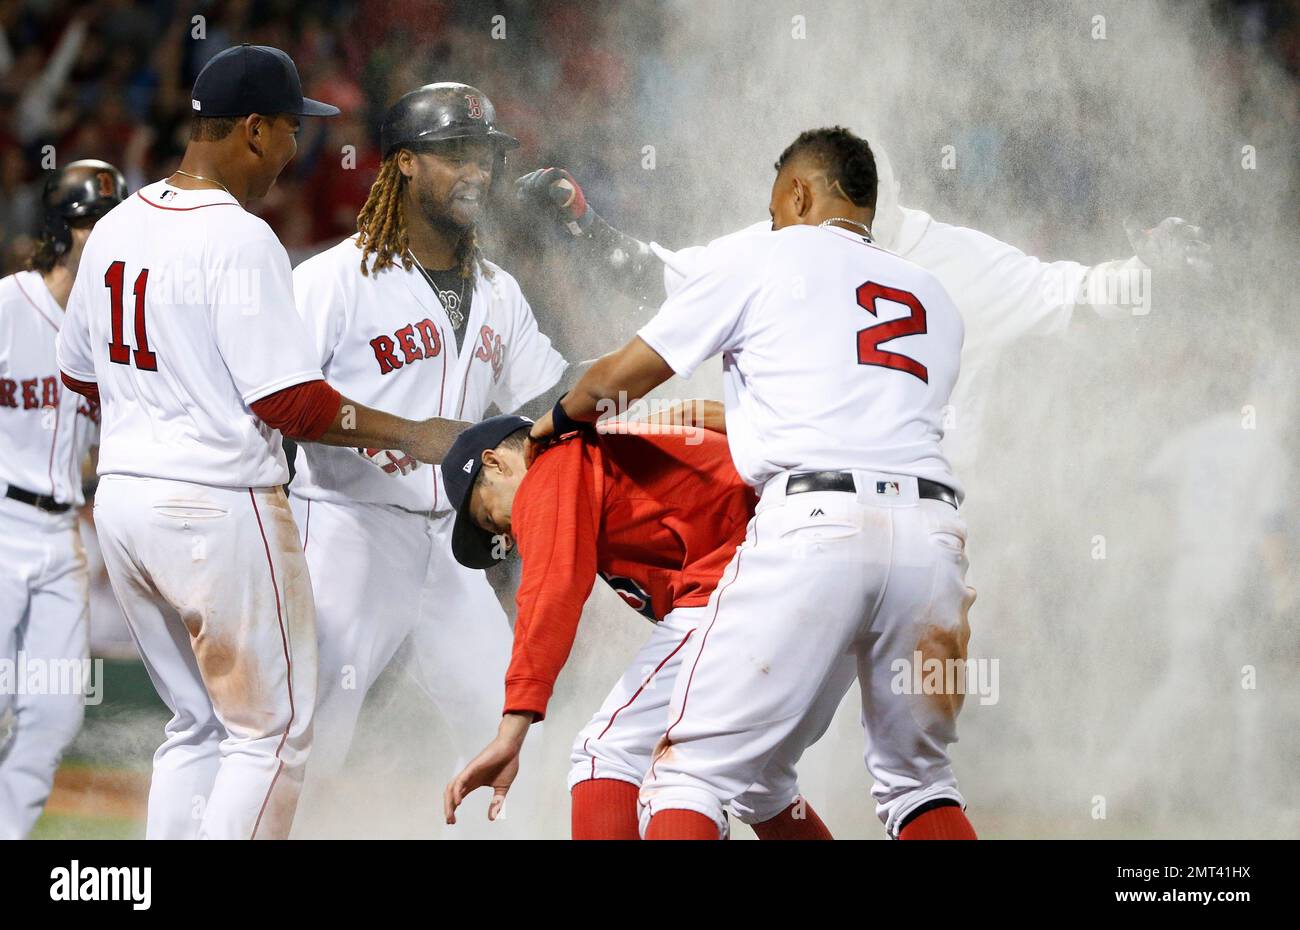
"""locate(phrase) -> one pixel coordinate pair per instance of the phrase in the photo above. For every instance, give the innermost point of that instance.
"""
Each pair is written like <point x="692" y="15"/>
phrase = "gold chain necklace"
<point x="199" y="177"/>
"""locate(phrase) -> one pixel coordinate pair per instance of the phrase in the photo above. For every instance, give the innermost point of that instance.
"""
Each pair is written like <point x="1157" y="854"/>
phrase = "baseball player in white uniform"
<point x="182" y="320"/>
<point x="408" y="315"/>
<point x="1002" y="293"/>
<point x="45" y="435"/>
<point x="838" y="358"/>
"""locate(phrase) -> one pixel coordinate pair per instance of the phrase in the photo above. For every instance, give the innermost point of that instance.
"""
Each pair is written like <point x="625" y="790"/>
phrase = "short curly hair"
<point x="846" y="158"/>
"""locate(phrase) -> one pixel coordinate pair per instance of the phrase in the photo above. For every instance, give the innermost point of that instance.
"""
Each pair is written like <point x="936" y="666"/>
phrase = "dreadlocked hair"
<point x="381" y="228"/>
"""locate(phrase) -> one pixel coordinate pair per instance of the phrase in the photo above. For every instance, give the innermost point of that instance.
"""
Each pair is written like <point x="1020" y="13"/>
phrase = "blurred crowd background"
<point x="671" y="113"/>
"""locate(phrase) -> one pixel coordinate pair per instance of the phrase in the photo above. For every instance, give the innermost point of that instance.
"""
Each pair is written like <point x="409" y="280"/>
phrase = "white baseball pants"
<point x="825" y="582"/>
<point x="620" y="739"/>
<point x="43" y="619"/>
<point x="237" y="669"/>
<point x="383" y="575"/>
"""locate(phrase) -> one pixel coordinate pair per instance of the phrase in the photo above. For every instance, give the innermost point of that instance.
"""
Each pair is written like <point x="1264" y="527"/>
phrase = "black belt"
<point x="39" y="501"/>
<point x="843" y="481"/>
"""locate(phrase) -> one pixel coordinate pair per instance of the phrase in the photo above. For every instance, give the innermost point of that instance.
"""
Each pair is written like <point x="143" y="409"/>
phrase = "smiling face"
<point x="450" y="180"/>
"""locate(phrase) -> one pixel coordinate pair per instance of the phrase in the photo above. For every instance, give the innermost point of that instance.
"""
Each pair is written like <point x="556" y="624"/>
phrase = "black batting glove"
<point x="1172" y="244"/>
<point x="556" y="192"/>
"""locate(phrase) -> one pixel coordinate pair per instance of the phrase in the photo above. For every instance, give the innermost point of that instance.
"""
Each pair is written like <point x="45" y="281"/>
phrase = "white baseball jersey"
<point x="386" y="340"/>
<point x="836" y="354"/>
<point x="1002" y="295"/>
<point x="45" y="430"/>
<point x="183" y="313"/>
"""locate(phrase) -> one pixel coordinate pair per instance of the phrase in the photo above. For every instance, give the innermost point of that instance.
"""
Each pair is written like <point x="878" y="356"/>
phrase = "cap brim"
<point x="316" y="108"/>
<point x="504" y="139"/>
<point x="472" y="546"/>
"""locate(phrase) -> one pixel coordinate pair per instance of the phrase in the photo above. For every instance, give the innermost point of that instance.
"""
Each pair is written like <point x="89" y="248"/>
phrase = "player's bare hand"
<point x="540" y="436"/>
<point x="557" y="192"/>
<point x="1173" y="244"/>
<point x="696" y="414"/>
<point x="432" y="438"/>
<point x="496" y="766"/>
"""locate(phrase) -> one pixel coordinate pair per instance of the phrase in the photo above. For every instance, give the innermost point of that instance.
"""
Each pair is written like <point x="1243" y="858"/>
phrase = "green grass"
<point x="75" y="827"/>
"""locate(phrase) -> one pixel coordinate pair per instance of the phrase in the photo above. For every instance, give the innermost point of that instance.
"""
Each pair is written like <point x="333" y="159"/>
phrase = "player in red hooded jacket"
<point x="657" y="511"/>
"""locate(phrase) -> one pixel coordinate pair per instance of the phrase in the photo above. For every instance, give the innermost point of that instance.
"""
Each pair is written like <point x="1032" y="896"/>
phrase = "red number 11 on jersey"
<point x="118" y="350"/>
<point x="869" y="339"/>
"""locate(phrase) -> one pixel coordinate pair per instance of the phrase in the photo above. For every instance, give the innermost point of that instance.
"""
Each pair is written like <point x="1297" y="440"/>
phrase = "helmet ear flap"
<point x="58" y="232"/>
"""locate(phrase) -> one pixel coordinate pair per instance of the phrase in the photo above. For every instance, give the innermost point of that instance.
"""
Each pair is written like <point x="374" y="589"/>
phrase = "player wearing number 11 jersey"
<point x="182" y="322"/>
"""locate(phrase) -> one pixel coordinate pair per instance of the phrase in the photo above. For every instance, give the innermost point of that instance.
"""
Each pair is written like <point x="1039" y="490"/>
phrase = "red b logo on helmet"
<point x="475" y="109"/>
<point x="106" y="186"/>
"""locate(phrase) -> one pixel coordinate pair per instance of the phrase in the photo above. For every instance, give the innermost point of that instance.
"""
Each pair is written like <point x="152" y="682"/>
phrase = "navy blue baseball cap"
<point x="473" y="546"/>
<point x="248" y="79"/>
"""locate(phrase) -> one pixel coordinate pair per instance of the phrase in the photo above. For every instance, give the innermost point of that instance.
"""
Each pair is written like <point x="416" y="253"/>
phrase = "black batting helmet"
<point x="443" y="111"/>
<point x="80" y="190"/>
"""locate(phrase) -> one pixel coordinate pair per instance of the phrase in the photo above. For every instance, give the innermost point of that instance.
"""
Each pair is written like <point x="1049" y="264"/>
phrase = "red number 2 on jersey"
<point x="118" y="350"/>
<point x="869" y="339"/>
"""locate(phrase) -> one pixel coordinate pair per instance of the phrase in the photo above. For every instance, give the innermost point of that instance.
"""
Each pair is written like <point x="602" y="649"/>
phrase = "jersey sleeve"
<point x="680" y="264"/>
<point x="255" y="321"/>
<point x="322" y="305"/>
<point x="703" y="318"/>
<point x="1011" y="294"/>
<point x="532" y="364"/>
<point x="555" y="522"/>
<point x="72" y="349"/>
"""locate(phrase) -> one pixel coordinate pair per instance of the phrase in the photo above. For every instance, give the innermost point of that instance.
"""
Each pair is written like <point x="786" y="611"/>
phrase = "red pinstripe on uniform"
<point x="284" y="639"/>
<point x="35" y="305"/>
<point x="647" y="681"/>
<point x="158" y="206"/>
<point x="54" y="433"/>
<point x="704" y="642"/>
<point x="442" y="390"/>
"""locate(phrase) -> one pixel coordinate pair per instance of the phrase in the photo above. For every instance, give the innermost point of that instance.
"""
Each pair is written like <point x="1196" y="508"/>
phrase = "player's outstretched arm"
<point x="627" y="262"/>
<point x="614" y="381"/>
<point x="312" y="411"/>
<point x="360" y="426"/>
<point x="698" y="414"/>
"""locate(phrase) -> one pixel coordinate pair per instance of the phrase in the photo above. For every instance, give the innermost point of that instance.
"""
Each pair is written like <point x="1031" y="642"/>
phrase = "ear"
<point x="406" y="163"/>
<point x="802" y="196"/>
<point x="492" y="460"/>
<point x="255" y="129"/>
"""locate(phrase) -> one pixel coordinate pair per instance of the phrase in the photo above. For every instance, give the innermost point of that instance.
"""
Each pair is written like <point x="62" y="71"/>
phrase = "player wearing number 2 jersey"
<point x="182" y="322"/>
<point x="837" y="359"/>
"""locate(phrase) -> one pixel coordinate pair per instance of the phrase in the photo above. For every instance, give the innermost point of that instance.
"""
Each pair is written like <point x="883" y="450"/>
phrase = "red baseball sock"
<point x="681" y="825"/>
<point x="939" y="823"/>
<point x="605" y="809"/>
<point x="797" y="822"/>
